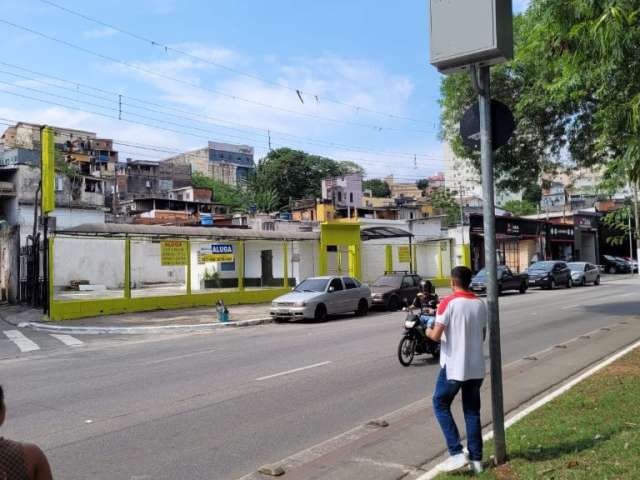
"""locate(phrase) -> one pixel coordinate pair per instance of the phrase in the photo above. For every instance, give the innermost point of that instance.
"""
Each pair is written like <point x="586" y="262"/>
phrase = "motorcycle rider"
<point x="426" y="300"/>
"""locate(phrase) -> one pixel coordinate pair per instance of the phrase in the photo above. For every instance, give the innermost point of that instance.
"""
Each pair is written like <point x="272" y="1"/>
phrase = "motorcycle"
<point x="414" y="339"/>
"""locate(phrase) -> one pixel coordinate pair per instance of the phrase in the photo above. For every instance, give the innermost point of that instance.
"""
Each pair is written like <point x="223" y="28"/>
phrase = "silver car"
<point x="317" y="297"/>
<point x="583" y="273"/>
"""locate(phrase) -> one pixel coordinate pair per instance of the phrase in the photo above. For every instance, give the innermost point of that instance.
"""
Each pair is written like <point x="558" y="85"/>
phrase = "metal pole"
<point x="635" y="203"/>
<point x="630" y="241"/>
<point x="491" y="266"/>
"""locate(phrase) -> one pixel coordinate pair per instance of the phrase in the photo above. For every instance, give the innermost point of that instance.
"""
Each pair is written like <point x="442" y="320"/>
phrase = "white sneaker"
<point x="454" y="463"/>
<point x="475" y="467"/>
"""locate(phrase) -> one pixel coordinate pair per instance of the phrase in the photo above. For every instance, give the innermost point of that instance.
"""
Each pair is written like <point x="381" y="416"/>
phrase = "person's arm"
<point x="37" y="463"/>
<point x="436" y="332"/>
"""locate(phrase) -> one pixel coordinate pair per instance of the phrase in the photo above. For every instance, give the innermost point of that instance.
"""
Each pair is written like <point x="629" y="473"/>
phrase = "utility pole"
<point x="635" y="204"/>
<point x="630" y="240"/>
<point x="269" y="137"/>
<point x="491" y="267"/>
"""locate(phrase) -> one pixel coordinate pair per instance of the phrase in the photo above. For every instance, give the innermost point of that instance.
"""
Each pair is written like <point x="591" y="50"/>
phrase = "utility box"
<point x="466" y="32"/>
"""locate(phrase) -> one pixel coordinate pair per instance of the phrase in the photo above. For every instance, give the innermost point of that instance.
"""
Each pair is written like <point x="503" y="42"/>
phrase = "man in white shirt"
<point x="460" y="326"/>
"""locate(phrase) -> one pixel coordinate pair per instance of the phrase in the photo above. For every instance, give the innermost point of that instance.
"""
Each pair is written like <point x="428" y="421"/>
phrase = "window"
<point x="416" y="280"/>
<point x="349" y="283"/>
<point x="336" y="283"/>
<point x="351" y="197"/>
<point x="228" y="266"/>
<point x="339" y="196"/>
<point x="407" y="282"/>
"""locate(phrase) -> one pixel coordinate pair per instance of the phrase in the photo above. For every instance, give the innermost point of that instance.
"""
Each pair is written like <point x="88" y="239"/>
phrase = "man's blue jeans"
<point x="446" y="391"/>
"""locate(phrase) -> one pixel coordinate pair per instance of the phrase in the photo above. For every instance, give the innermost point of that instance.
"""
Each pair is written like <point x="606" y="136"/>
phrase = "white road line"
<point x="569" y="307"/>
<point x="67" y="340"/>
<point x="23" y="343"/>
<point x="177" y="357"/>
<point x="293" y="371"/>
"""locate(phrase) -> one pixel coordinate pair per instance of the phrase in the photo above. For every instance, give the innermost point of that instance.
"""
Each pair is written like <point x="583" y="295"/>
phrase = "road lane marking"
<point x="23" y="343"/>
<point x="293" y="371"/>
<point x="569" y="307"/>
<point x="67" y="340"/>
<point x="177" y="357"/>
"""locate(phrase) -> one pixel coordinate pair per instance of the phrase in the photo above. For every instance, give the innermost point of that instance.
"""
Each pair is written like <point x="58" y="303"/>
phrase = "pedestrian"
<point x="21" y="461"/>
<point x="460" y="326"/>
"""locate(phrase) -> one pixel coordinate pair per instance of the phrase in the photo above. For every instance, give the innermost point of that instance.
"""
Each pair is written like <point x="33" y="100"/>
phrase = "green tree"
<point x="295" y="174"/>
<point x="422" y="184"/>
<point x="235" y="197"/>
<point x="379" y="188"/>
<point x="617" y="223"/>
<point x="444" y="200"/>
<point x="347" y="166"/>
<point x="519" y="207"/>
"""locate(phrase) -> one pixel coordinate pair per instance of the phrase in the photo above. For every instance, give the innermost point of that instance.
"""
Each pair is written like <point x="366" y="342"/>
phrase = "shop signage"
<point x="216" y="253"/>
<point x="512" y="228"/>
<point x="516" y="227"/>
<point x="584" y="223"/>
<point x="404" y="255"/>
<point x="561" y="232"/>
<point x="174" y="252"/>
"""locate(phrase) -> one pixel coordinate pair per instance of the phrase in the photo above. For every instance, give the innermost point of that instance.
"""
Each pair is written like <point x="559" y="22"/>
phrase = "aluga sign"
<point x="217" y="253"/>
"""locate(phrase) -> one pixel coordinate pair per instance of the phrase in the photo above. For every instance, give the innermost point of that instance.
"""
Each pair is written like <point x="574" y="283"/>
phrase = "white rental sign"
<point x="466" y="32"/>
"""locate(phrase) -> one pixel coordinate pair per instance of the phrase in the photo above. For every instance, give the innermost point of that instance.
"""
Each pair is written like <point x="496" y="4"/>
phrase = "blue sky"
<point x="373" y="55"/>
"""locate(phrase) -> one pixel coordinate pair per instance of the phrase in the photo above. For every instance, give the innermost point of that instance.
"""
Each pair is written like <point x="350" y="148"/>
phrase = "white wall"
<point x="146" y="267"/>
<point x="99" y="261"/>
<point x="65" y="218"/>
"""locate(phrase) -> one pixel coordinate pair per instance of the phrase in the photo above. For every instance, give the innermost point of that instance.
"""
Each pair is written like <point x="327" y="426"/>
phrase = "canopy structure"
<point x="166" y="231"/>
<point x="379" y="233"/>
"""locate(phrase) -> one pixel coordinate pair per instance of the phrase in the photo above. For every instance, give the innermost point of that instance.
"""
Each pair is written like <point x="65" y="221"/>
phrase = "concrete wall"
<point x="9" y="258"/>
<point x="146" y="268"/>
<point x="65" y="218"/>
<point x="99" y="261"/>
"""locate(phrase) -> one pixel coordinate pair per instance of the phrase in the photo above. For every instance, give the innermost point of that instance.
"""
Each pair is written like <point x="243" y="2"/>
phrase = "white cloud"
<point x="99" y="33"/>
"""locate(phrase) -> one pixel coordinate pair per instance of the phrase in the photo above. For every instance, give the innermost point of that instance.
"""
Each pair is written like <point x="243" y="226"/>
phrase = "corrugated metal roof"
<point x="124" y="229"/>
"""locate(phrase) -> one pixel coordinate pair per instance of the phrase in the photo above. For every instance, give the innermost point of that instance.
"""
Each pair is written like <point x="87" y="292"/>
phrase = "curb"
<point x="519" y="415"/>
<point x="141" y="330"/>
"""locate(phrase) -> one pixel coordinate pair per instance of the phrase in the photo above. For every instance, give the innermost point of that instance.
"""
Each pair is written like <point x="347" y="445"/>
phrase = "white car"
<point x="317" y="297"/>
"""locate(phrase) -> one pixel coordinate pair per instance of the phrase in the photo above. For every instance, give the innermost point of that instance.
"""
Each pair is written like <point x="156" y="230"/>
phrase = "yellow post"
<point x="285" y="251"/>
<point x="440" y="275"/>
<point x="466" y="255"/>
<point x="127" y="268"/>
<point x="188" y="247"/>
<point x="240" y="266"/>
<point x="414" y="258"/>
<point x="388" y="258"/>
<point x="47" y="169"/>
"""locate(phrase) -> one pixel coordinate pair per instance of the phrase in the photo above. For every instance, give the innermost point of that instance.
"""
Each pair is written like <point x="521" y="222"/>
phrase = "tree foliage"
<point x="618" y="225"/>
<point x="422" y="184"/>
<point x="519" y="207"/>
<point x="444" y="200"/>
<point x="379" y="188"/>
<point x="573" y="86"/>
<point x="235" y="197"/>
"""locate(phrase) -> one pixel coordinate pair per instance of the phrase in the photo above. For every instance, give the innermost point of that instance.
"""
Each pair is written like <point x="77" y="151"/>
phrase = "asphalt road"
<point x="218" y="405"/>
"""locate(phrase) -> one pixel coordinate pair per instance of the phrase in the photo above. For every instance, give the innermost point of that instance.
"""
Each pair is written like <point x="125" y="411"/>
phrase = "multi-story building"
<point x="225" y="162"/>
<point x="343" y="192"/>
<point x="403" y="190"/>
<point x="144" y="178"/>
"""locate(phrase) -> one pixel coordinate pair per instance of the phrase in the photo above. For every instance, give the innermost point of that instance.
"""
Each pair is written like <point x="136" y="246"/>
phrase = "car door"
<point x="336" y="300"/>
<point x="407" y="289"/>
<point x="353" y="293"/>
<point x="590" y="272"/>
<point x="507" y="279"/>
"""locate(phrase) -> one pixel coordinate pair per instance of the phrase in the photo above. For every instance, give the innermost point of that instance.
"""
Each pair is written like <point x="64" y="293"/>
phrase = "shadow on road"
<point x="623" y="309"/>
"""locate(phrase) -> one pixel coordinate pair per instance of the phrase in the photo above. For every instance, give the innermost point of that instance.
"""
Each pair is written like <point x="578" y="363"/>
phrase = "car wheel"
<point x="363" y="308"/>
<point x="393" y="304"/>
<point x="523" y="288"/>
<point x="612" y="269"/>
<point x="597" y="280"/>
<point x="499" y="289"/>
<point x="569" y="283"/>
<point x="320" y="314"/>
<point x="583" y="282"/>
<point x="552" y="284"/>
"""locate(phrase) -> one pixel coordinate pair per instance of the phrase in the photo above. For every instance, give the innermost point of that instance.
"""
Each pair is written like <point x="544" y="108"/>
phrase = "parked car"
<point x="613" y="264"/>
<point x="549" y="274"/>
<point x="633" y="262"/>
<point x="317" y="297"/>
<point x="583" y="273"/>
<point x="507" y="280"/>
<point x="392" y="289"/>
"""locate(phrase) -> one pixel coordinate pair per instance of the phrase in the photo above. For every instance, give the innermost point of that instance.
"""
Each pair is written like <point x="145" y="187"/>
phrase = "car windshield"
<point x="541" y="266"/>
<point x="609" y="257"/>
<point x="387" y="281"/>
<point x="576" y="266"/>
<point x="312" y="285"/>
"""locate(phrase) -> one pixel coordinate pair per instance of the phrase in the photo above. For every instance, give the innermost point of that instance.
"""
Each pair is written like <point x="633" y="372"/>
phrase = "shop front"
<point x="518" y="241"/>
<point x="587" y="247"/>
<point x="560" y="242"/>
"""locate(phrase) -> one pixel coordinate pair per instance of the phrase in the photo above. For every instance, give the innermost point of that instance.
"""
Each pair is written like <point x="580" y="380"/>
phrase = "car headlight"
<point x="299" y="304"/>
<point x="274" y="304"/>
<point x="409" y="323"/>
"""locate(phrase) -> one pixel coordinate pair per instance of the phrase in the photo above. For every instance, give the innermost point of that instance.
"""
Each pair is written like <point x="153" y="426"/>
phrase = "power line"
<point x="118" y="98"/>
<point x="168" y="48"/>
<point x="199" y="87"/>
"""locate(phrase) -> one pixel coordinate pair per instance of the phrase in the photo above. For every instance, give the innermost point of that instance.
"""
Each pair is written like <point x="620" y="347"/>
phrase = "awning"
<point x="156" y="231"/>
<point x="377" y="233"/>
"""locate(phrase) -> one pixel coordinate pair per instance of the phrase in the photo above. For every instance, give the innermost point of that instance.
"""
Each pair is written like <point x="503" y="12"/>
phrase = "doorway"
<point x="266" y="262"/>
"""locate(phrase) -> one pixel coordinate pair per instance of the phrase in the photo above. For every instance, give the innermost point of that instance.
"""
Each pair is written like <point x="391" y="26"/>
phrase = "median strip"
<point x="321" y="364"/>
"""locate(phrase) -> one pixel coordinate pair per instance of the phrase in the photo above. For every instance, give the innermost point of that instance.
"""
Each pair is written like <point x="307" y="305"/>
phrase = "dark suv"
<point x="615" y="264"/>
<point x="549" y="274"/>
<point x="392" y="289"/>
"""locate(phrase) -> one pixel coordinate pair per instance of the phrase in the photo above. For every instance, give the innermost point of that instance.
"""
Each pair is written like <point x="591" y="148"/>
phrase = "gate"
<point x="33" y="272"/>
